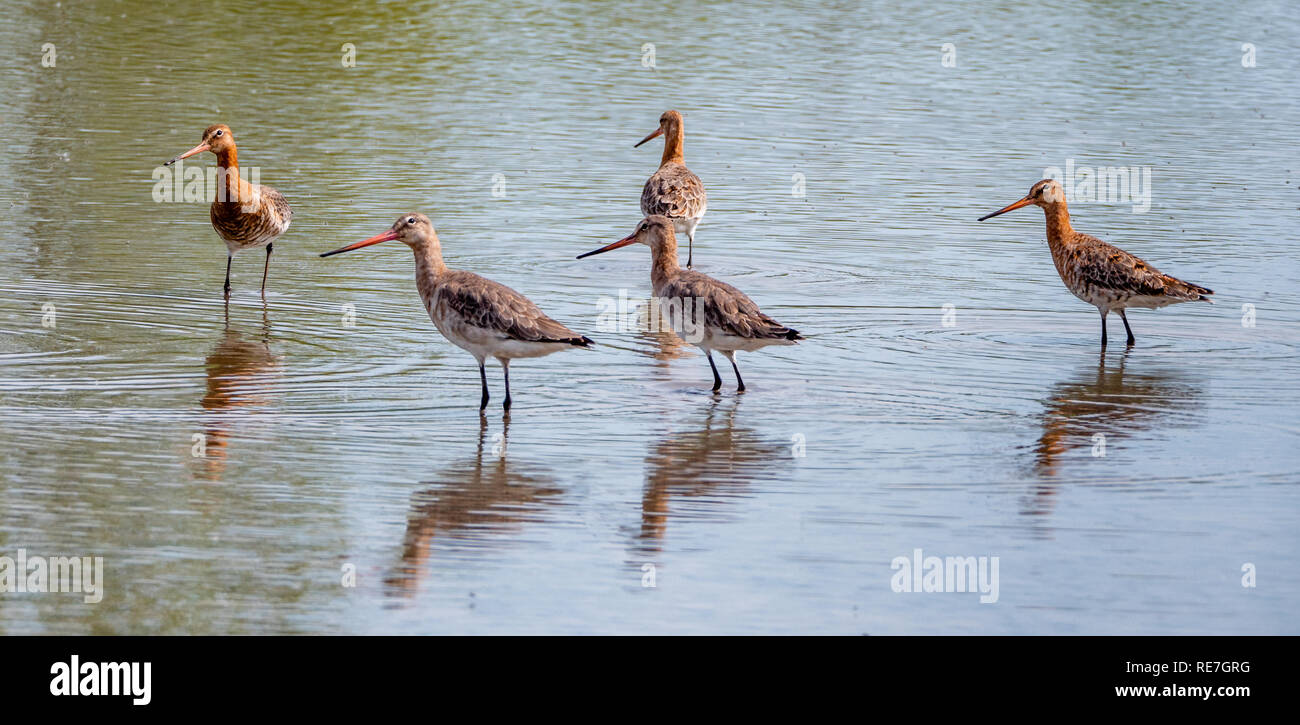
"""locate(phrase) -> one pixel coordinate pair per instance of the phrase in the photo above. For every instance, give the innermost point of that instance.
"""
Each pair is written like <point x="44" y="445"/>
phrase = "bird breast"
<point x="242" y="227"/>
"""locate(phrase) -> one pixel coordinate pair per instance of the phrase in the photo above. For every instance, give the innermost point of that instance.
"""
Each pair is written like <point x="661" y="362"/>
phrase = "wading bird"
<point x="483" y="317"/>
<point x="246" y="216"/>
<point x="1098" y="273"/>
<point x="674" y="191"/>
<point x="725" y="319"/>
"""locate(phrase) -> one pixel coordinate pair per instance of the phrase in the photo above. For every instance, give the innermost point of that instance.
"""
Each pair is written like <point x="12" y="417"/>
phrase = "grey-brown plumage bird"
<point x="709" y="314"/>
<point x="675" y="191"/>
<point x="485" y="318"/>
<point x="1098" y="273"/>
<point x="245" y="215"/>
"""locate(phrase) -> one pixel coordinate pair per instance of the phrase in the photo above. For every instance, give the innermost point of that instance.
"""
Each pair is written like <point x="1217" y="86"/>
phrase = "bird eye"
<point x="410" y="220"/>
<point x="218" y="133"/>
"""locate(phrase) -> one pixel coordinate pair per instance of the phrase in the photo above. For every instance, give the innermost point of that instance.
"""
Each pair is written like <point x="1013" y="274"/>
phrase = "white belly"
<point x="686" y="225"/>
<point x="1150" y="303"/>
<point x="719" y="340"/>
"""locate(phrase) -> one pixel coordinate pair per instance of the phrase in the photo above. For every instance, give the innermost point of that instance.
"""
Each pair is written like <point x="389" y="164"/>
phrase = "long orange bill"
<point x="196" y="150"/>
<point x="1010" y="207"/>
<point x="657" y="133"/>
<point x="385" y="237"/>
<point x="630" y="239"/>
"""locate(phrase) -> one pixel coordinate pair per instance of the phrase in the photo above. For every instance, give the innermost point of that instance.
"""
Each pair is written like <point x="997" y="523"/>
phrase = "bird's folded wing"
<point x="278" y="202"/>
<point x="674" y="192"/>
<point x="493" y="306"/>
<point x="1109" y="267"/>
<point x="721" y="306"/>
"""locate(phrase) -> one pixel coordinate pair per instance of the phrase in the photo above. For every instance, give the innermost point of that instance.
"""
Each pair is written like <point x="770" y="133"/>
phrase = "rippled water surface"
<point x="341" y="432"/>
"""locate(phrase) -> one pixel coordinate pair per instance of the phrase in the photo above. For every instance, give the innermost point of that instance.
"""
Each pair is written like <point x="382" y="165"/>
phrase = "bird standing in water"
<point x="246" y="216"/>
<point x="722" y="317"/>
<point x="485" y="318"/>
<point x="1098" y="273"/>
<point x="674" y="191"/>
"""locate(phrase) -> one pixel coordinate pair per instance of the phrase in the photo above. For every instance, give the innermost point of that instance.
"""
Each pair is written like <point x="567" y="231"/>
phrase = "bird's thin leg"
<point x="690" y="247"/>
<point x="267" y="268"/>
<point x="1127" y="329"/>
<point x="740" y="383"/>
<point x="1103" y="329"/>
<point x="717" y="379"/>
<point x="227" y="286"/>
<point x="482" y="374"/>
<point x="505" y="366"/>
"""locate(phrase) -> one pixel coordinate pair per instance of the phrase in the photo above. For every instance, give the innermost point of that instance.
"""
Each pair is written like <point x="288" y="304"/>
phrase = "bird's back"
<point x="466" y="298"/>
<point x="1101" y="273"/>
<point x="723" y="307"/>
<point x="674" y="191"/>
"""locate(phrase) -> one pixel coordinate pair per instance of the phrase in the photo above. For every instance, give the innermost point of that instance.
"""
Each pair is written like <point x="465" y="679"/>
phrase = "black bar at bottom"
<point x="307" y="675"/>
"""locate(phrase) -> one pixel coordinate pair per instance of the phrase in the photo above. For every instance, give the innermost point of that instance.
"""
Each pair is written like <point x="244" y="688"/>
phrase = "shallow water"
<point x="331" y="445"/>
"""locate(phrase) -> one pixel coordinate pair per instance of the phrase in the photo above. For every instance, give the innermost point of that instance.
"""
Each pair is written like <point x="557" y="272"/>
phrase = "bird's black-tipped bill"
<point x="656" y="134"/>
<point x="620" y="243"/>
<point x="386" y="236"/>
<point x="1010" y="207"/>
<point x="196" y="150"/>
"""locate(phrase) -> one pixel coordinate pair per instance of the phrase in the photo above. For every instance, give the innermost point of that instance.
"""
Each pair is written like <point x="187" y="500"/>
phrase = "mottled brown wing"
<point x="1104" y="265"/>
<point x="275" y="200"/>
<point x="674" y="192"/>
<point x="726" y="308"/>
<point x="494" y="306"/>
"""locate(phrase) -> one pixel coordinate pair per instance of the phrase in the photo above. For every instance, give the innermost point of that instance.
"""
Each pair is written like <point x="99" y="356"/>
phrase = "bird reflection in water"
<point x="240" y="373"/>
<point x="1098" y="408"/>
<point x="470" y="504"/>
<point x="705" y="466"/>
<point x="664" y="344"/>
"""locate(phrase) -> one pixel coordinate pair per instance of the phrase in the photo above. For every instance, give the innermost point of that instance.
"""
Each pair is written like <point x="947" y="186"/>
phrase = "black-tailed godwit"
<point x="246" y="216"/>
<point x="674" y="191"/>
<point x="727" y="320"/>
<point x="485" y="318"/>
<point x="1098" y="273"/>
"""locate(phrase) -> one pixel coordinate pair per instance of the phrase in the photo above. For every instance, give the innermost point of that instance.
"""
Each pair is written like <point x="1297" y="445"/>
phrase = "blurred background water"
<point x="331" y="446"/>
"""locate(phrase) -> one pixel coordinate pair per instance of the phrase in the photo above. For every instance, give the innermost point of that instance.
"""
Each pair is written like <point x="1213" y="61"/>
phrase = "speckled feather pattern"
<point x="675" y="192"/>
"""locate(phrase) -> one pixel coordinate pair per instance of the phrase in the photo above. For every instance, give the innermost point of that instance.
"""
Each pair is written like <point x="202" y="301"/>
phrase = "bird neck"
<point x="673" y="141"/>
<point x="428" y="260"/>
<point x="664" y="264"/>
<point x="228" y="157"/>
<point x="236" y="189"/>
<point x="1058" y="223"/>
